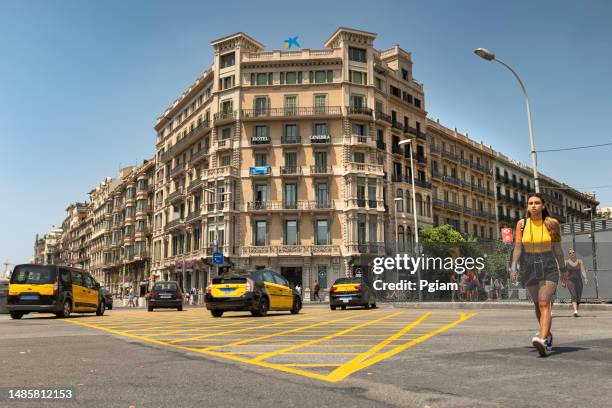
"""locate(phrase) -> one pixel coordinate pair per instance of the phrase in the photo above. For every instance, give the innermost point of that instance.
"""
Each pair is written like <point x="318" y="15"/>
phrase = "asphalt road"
<point x="319" y="358"/>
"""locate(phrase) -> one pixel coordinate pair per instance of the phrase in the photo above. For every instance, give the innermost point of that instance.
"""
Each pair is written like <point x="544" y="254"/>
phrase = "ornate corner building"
<point x="290" y="160"/>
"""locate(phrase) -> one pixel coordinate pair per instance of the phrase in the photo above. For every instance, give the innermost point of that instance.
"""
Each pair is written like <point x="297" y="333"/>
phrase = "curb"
<point x="493" y="305"/>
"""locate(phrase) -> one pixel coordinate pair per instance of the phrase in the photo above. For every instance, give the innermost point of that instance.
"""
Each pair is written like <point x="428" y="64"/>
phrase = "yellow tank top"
<point x="536" y="237"/>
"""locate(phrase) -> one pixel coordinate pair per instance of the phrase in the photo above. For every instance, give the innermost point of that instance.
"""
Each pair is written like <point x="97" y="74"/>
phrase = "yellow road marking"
<point x="237" y="343"/>
<point x="331" y="336"/>
<point x="347" y="369"/>
<point x="342" y="370"/>
<point x="239" y="330"/>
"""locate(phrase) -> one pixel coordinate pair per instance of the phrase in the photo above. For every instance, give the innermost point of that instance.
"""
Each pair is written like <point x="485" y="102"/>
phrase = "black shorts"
<point x="537" y="267"/>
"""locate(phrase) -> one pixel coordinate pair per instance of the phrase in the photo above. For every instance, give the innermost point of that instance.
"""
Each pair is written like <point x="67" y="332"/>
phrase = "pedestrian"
<point x="498" y="286"/>
<point x="453" y="280"/>
<point x="315" y="291"/>
<point x="298" y="288"/>
<point x="131" y="298"/>
<point x="574" y="278"/>
<point x="486" y="284"/>
<point x="538" y="252"/>
<point x="463" y="287"/>
<point x="469" y="285"/>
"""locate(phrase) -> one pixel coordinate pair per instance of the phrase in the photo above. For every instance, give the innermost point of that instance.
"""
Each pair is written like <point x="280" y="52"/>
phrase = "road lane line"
<point x="331" y="336"/>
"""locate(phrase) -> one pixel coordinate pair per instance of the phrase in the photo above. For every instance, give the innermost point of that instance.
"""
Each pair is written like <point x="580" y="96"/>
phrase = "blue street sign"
<point x="217" y="258"/>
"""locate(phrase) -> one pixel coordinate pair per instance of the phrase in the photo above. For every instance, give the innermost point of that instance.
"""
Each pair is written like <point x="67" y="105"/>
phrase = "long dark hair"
<point x="552" y="225"/>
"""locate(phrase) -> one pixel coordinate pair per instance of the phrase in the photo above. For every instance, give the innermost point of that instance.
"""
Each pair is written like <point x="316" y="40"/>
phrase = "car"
<point x="351" y="292"/>
<point x="108" y="298"/>
<point x="257" y="292"/>
<point x="53" y="289"/>
<point x="166" y="295"/>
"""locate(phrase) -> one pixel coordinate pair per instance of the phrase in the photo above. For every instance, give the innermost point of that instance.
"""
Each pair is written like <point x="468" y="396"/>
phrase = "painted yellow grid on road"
<point x="317" y="343"/>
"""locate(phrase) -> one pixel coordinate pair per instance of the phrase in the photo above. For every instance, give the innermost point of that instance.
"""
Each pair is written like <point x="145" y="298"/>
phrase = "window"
<point x="357" y="54"/>
<point x="320" y="103"/>
<point x="226" y="160"/>
<point x="226" y="107"/>
<point x="358" y="77"/>
<point x="226" y="82"/>
<point x="320" y="159"/>
<point x="262" y="78"/>
<point x="359" y="157"/>
<point x="290" y="105"/>
<point x="379" y="107"/>
<point x="290" y="196"/>
<point x="291" y="78"/>
<point x="359" y="129"/>
<point x="357" y="101"/>
<point x="226" y="133"/>
<point x="321" y="232"/>
<point x="378" y="83"/>
<point x="261" y="193"/>
<point x="321" y="77"/>
<point x="260" y="104"/>
<point x="320" y="129"/>
<point x="417" y="102"/>
<point x="261" y="233"/>
<point x="227" y="60"/>
<point x="291" y="232"/>
<point x="322" y="194"/>
<point x="395" y="91"/>
<point x="404" y="74"/>
<point x="261" y="159"/>
<point x="77" y="278"/>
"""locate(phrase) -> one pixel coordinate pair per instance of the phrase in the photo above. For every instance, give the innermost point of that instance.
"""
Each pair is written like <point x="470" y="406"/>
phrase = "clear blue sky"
<point x="81" y="82"/>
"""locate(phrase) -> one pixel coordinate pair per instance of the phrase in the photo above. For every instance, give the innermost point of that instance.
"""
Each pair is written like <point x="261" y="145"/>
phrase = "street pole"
<point x="594" y="252"/>
<point x="396" y="200"/>
<point x="416" y="226"/>
<point x="481" y="52"/>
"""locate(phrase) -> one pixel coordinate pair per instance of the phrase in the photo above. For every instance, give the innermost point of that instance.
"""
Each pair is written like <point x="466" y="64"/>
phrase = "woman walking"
<point x="574" y="278"/>
<point x="538" y="251"/>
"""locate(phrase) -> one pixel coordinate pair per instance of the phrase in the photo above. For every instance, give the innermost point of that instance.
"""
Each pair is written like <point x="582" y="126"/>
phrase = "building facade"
<point x="290" y="161"/>
<point x="463" y="185"/>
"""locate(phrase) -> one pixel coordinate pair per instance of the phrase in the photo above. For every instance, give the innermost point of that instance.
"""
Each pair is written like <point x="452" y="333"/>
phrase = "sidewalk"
<point x="492" y="305"/>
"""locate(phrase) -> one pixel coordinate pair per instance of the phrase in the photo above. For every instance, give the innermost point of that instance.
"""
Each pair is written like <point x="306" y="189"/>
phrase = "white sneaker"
<point x="575" y="313"/>
<point x="540" y="345"/>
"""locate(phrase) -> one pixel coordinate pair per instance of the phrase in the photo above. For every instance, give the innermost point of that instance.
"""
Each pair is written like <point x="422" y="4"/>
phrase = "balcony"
<point x="433" y="149"/>
<point x="290" y="250"/>
<point x="452" y="180"/>
<point x="179" y="194"/>
<point x="363" y="203"/>
<point x="361" y="140"/>
<point x="320" y="170"/>
<point x="260" y="171"/>
<point x="288" y="112"/>
<point x="199" y="155"/>
<point x="177" y="170"/>
<point x="183" y="143"/>
<point x="224" y="171"/>
<point x="290" y="171"/>
<point x="466" y="210"/>
<point x="415" y="132"/>
<point x="374" y="169"/>
<point x="384" y="117"/>
<point x="484" y="169"/>
<point x="141" y="256"/>
<point x="195" y="184"/>
<point x="395" y="149"/>
<point x="320" y="139"/>
<point x="225" y="144"/>
<point x="421" y="159"/>
<point x="377" y="248"/>
<point x="359" y="110"/>
<point x="226" y="116"/>
<point x="381" y="145"/>
<point x="174" y="224"/>
<point x="291" y="140"/>
<point x="260" y="140"/>
<point x="397" y="125"/>
<point x="436" y="175"/>
<point x="478" y="189"/>
<point x="193" y="216"/>
<point x="422" y="183"/>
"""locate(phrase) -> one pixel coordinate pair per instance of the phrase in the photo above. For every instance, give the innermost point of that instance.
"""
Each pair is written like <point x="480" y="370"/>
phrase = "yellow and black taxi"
<point x="257" y="292"/>
<point x="53" y="289"/>
<point x="351" y="292"/>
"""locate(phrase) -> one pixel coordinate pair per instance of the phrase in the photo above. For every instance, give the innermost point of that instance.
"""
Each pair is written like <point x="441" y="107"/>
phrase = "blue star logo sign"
<point x="291" y="41"/>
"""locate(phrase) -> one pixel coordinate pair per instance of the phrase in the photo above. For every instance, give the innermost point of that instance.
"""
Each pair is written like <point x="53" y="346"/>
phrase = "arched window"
<point x="428" y="206"/>
<point x="401" y="239"/>
<point x="409" y="241"/>
<point x="399" y="204"/>
<point x="419" y="204"/>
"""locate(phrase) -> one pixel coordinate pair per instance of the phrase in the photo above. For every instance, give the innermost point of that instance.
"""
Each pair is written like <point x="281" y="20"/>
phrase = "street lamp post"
<point x="396" y="200"/>
<point x="489" y="56"/>
<point x="408" y="142"/>
<point x="210" y="190"/>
